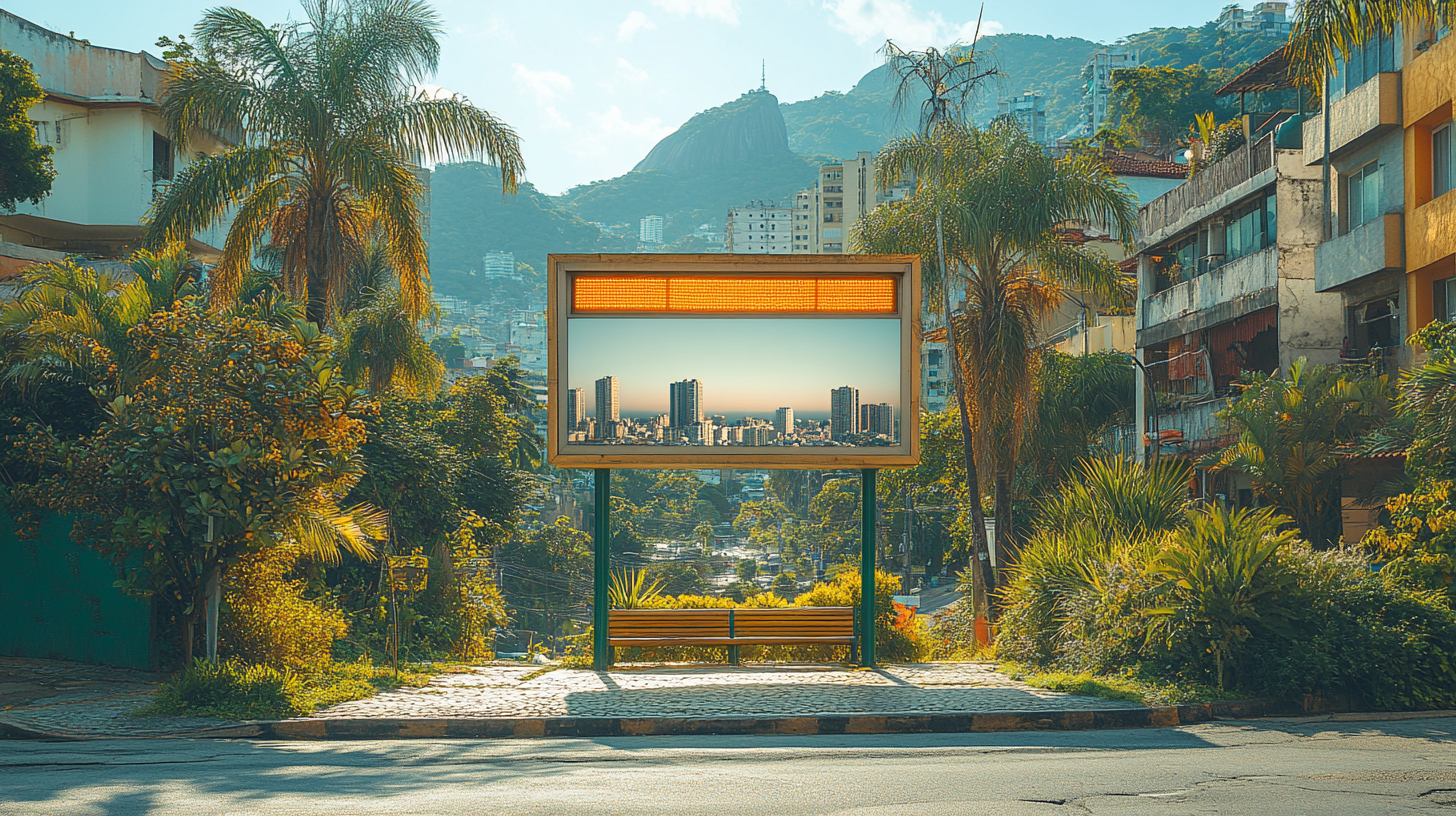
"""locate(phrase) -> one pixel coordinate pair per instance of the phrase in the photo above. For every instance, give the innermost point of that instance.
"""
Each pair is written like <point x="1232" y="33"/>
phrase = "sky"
<point x="747" y="365"/>
<point x="592" y="85"/>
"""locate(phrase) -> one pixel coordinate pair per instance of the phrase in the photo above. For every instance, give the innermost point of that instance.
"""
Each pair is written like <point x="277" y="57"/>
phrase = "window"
<point x="1362" y="195"/>
<point x="1375" y="56"/>
<point x="1249" y="229"/>
<point x="161" y="158"/>
<point x="1442" y="166"/>
<point x="1373" y="326"/>
<point x="1443" y="299"/>
<point x="1176" y="264"/>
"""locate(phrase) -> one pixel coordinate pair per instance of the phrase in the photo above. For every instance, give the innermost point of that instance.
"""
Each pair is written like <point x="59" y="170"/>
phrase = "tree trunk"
<point x="983" y="577"/>
<point x="1005" y="547"/>
<point x="188" y="635"/>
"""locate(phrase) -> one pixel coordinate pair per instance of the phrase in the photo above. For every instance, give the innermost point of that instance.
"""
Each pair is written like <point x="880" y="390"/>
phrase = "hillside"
<point x="724" y="156"/>
<point x="754" y="148"/>
<point x="469" y="217"/>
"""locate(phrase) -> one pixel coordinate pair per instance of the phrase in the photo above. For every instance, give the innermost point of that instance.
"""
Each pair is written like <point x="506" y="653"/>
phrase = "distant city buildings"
<point x="1029" y="112"/>
<point x="877" y="419"/>
<point x="650" y="229"/>
<point x="784" y="421"/>
<point x="825" y="214"/>
<point x="843" y="413"/>
<point x="1098" y="90"/>
<point x="761" y="228"/>
<point x="608" y="405"/>
<point x="575" y="408"/>
<point x="685" y="404"/>
<point x="1268" y="18"/>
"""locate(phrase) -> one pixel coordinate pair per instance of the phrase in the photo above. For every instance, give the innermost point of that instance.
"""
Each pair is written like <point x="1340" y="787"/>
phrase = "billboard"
<point x="788" y="361"/>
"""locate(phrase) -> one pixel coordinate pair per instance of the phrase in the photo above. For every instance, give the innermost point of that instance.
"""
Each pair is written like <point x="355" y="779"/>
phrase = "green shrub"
<point x="233" y="690"/>
<point x="268" y="620"/>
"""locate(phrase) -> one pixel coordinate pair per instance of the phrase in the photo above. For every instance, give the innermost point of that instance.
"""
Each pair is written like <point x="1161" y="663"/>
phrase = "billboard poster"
<point x="733" y="360"/>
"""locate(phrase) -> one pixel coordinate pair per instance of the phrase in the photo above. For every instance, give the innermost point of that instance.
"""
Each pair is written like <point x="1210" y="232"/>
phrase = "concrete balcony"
<point x="1232" y="178"/>
<point x="1375" y="246"/>
<point x="1356" y="119"/>
<point x="1232" y="290"/>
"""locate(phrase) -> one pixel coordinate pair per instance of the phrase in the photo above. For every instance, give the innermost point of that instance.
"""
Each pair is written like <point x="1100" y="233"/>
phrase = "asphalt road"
<point x="1224" y="768"/>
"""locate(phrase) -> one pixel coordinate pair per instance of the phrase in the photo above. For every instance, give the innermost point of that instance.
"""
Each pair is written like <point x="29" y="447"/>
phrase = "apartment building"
<point x="112" y="156"/>
<point x="1268" y="18"/>
<point x="806" y="221"/>
<point x="825" y="214"/>
<point x="1226" y="284"/>
<point x="1028" y="111"/>
<point x="760" y="228"/>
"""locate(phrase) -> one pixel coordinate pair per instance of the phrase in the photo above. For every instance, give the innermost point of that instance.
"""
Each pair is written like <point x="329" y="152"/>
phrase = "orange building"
<point x="1430" y="177"/>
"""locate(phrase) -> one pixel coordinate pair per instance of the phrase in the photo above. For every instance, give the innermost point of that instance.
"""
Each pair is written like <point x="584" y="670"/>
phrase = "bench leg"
<point x="733" y="655"/>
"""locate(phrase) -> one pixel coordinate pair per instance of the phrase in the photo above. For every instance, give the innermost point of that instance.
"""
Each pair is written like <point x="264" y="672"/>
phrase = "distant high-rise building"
<point x="575" y="408"/>
<point x="877" y="419"/>
<point x="685" y="403"/>
<point x="650" y="229"/>
<point x="498" y="265"/>
<point x="757" y="435"/>
<point x="1028" y="111"/>
<point x="784" y="421"/>
<point x="609" y="404"/>
<point x="843" y="413"/>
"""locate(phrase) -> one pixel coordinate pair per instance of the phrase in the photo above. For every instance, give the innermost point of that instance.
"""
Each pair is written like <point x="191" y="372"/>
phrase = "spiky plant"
<point x="630" y="589"/>
<point x="1120" y="498"/>
<point x="331" y="126"/>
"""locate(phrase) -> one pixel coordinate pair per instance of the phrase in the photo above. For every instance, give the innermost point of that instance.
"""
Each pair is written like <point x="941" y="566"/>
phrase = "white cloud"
<point x="636" y="21"/>
<point x="630" y="72"/>
<point x="878" y="20"/>
<point x="546" y="85"/>
<point x="725" y="10"/>
<point x="612" y="122"/>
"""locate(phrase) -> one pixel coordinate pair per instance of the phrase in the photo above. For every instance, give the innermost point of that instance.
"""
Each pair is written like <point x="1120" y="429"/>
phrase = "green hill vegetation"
<point x="754" y="148"/>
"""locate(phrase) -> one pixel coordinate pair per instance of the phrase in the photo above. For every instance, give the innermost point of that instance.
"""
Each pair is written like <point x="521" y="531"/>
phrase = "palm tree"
<point x="379" y="342"/>
<point x="1004" y="201"/>
<point x="1290" y="430"/>
<point x="948" y="80"/>
<point x="704" y="532"/>
<point x="331" y="127"/>
<point x="72" y="323"/>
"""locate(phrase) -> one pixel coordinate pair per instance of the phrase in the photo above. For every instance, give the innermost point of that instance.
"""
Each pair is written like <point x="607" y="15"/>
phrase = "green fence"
<point x="57" y="600"/>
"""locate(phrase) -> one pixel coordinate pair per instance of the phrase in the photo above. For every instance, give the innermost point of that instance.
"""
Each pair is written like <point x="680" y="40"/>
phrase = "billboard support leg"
<point x="601" y="568"/>
<point x="867" y="568"/>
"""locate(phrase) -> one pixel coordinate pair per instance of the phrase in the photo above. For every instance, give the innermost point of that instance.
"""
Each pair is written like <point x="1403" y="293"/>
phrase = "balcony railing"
<point x="1231" y="171"/>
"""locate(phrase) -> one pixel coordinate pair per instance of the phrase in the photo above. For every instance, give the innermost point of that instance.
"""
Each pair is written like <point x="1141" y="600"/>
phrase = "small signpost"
<point x="808" y="361"/>
<point x="407" y="573"/>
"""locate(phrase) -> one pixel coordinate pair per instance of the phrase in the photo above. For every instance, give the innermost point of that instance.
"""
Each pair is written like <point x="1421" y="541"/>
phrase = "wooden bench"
<point x="731" y="628"/>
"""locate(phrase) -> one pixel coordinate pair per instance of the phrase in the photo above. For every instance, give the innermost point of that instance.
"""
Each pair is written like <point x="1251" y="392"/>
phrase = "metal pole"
<point x="601" y="571"/>
<point x="867" y="568"/>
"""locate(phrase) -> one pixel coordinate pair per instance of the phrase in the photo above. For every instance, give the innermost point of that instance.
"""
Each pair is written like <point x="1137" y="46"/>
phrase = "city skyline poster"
<point x="748" y="367"/>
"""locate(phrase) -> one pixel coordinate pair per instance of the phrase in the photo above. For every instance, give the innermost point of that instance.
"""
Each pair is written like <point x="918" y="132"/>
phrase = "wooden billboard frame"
<point x="906" y="268"/>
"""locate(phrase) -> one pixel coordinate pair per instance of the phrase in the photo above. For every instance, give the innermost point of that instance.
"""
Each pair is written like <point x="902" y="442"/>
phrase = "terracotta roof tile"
<point x="1124" y="165"/>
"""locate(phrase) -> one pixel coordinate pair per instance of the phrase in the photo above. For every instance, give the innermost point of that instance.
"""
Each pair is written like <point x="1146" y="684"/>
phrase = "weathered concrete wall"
<point x="1370" y="248"/>
<point x="57" y="599"/>
<point x="1366" y="112"/>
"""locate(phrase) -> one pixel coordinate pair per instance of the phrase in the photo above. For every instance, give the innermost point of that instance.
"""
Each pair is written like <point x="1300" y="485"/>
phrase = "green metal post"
<point x="601" y="569"/>
<point x="867" y="568"/>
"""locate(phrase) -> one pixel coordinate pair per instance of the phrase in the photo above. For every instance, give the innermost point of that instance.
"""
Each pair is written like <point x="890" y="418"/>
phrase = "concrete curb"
<point x="308" y="728"/>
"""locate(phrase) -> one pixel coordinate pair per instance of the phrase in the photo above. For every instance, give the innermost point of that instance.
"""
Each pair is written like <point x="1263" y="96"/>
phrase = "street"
<point x="1268" y="767"/>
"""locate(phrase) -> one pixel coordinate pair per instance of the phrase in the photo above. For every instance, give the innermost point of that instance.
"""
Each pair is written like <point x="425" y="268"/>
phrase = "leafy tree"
<point x="26" y="171"/>
<point x="1290" y="429"/>
<point x="1004" y="200"/>
<point x="548" y="573"/>
<point x="677" y="578"/>
<point x="1077" y="398"/>
<point x="747" y="570"/>
<point x="704" y="533"/>
<point x="450" y="350"/>
<point x="380" y="344"/>
<point x="345" y="77"/>
<point x="237" y="437"/>
<point x="1159" y="103"/>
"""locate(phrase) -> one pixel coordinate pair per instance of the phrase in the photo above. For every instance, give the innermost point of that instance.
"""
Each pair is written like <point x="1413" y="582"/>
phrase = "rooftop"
<point x="1124" y="165"/>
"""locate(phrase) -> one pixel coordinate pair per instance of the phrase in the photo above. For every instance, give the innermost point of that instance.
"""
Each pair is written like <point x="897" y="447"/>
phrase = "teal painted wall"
<point x="57" y="600"/>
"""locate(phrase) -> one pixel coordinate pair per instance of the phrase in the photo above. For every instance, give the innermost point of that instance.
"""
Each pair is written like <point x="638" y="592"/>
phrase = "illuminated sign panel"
<point x="733" y="361"/>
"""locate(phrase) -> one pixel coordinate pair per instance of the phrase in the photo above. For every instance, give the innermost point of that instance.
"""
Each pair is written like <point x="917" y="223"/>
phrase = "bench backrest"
<point x="799" y="621"/>
<point x="668" y="623"/>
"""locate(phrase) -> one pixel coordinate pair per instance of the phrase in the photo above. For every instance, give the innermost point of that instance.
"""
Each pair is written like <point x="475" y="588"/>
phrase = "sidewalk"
<point x="67" y="699"/>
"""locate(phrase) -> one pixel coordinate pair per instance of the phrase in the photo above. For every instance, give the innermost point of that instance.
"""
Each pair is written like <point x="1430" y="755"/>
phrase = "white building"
<point x="650" y="229"/>
<point x="1269" y="18"/>
<point x="784" y="422"/>
<point x="1095" y="94"/>
<point x="1029" y="111"/>
<point x="499" y="265"/>
<point x="761" y="228"/>
<point x="112" y="156"/>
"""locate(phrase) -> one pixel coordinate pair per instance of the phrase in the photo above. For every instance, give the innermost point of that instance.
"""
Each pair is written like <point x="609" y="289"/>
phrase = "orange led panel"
<point x="722" y="294"/>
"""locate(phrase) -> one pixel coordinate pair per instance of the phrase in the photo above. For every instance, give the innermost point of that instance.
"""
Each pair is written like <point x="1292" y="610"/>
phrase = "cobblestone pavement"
<point x="505" y="691"/>
<point x="64" y="698"/>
